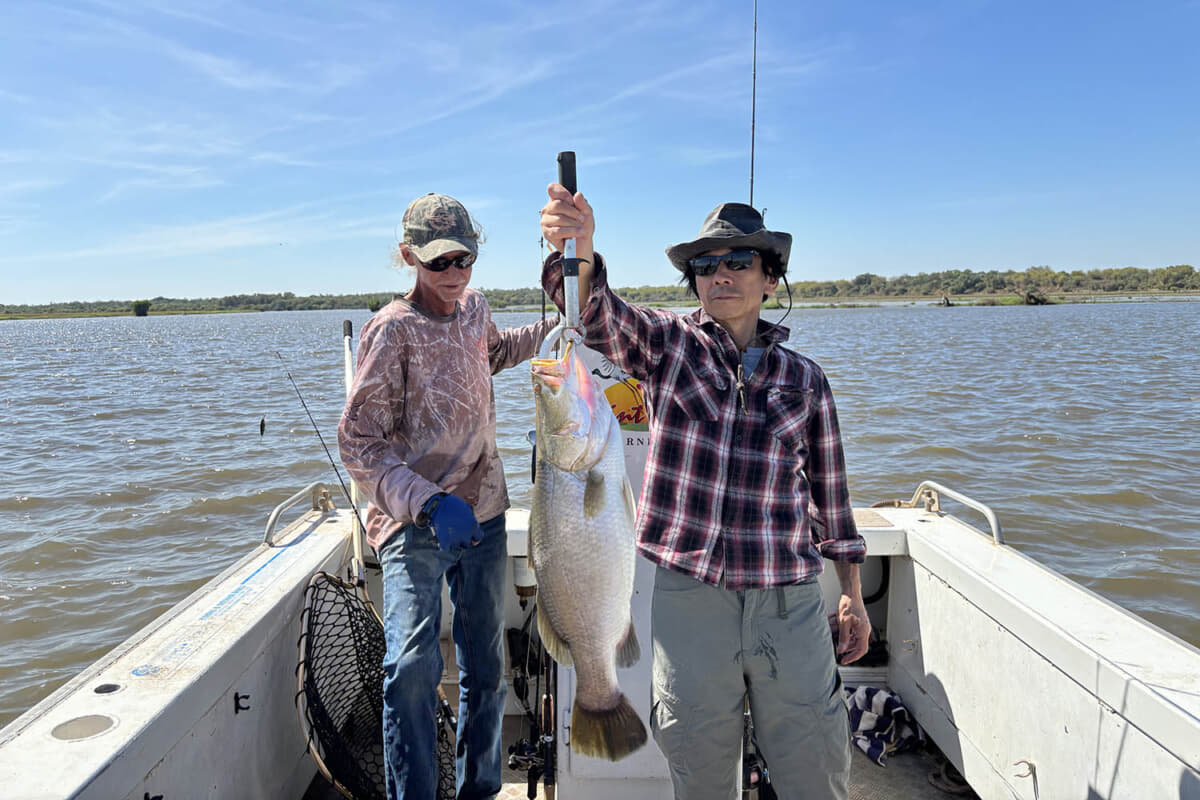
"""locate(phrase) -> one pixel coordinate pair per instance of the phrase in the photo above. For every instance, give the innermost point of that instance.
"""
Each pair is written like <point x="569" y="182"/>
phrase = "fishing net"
<point x="341" y="686"/>
<point x="340" y="695"/>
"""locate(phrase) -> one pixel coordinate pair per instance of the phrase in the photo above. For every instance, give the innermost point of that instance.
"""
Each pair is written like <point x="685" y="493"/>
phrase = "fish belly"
<point x="583" y="551"/>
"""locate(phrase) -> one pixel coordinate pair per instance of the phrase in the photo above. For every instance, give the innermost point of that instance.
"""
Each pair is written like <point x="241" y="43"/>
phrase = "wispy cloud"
<point x="597" y="161"/>
<point x="299" y="224"/>
<point x="131" y="135"/>
<point x="1012" y="200"/>
<point x="17" y="156"/>
<point x="701" y="156"/>
<point x="11" y="188"/>
<point x="309" y="75"/>
<point x="14" y="97"/>
<point x="142" y="150"/>
<point x="669" y="79"/>
<point x="222" y="69"/>
<point x="284" y="159"/>
<point x="169" y="179"/>
<point x="12" y="223"/>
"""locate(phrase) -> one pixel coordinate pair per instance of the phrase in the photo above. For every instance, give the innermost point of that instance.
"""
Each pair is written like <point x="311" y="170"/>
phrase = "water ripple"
<point x="137" y="471"/>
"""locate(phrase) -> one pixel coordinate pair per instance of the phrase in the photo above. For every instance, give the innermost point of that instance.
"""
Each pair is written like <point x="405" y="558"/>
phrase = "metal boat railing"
<point x="927" y="495"/>
<point x="319" y="495"/>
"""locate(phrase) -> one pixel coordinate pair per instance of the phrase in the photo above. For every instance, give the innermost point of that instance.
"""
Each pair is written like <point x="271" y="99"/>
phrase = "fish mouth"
<point x="547" y="366"/>
<point x="548" y="372"/>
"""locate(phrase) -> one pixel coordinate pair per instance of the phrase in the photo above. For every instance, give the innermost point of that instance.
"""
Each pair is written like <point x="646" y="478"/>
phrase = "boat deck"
<point x="907" y="776"/>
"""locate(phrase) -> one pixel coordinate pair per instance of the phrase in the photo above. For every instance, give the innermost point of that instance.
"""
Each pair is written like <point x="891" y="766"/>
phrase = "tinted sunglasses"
<point x="443" y="263"/>
<point x="736" y="260"/>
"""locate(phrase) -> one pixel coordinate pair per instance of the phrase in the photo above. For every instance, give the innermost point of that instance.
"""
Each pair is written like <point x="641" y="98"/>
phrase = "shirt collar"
<point x="770" y="333"/>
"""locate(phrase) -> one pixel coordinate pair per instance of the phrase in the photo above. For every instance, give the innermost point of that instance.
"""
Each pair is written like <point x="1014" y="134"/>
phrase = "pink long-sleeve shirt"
<point x="421" y="416"/>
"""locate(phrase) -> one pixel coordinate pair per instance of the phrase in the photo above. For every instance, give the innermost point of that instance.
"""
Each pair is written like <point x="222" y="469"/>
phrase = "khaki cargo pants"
<point x="712" y="646"/>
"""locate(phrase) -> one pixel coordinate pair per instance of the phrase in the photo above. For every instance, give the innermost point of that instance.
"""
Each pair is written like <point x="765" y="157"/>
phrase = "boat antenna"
<point x="753" y="97"/>
<point x="328" y="455"/>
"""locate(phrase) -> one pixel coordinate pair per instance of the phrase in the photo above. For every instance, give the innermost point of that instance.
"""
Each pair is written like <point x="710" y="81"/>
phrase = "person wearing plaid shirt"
<point x="744" y="496"/>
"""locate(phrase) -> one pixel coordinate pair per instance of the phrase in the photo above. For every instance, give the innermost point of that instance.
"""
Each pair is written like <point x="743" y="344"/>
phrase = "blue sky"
<point x="198" y="149"/>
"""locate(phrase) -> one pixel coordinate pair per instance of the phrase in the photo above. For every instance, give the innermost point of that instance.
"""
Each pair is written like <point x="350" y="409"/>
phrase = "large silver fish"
<point x="582" y="548"/>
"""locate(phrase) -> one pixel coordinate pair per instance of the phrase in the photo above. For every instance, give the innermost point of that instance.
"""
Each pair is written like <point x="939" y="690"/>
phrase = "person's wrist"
<point x="425" y="515"/>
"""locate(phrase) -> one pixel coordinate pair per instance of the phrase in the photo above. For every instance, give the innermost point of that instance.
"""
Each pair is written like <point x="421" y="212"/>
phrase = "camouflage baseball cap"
<point x="435" y="224"/>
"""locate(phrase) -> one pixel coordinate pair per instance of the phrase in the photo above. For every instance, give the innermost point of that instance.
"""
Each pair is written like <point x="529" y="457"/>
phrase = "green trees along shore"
<point x="1036" y="284"/>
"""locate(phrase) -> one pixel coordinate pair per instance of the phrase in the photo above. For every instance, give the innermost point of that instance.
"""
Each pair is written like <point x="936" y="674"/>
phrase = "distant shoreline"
<point x="866" y="301"/>
<point x="1033" y="286"/>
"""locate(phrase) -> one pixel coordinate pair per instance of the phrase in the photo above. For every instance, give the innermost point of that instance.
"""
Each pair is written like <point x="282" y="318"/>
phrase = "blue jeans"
<point x="413" y="568"/>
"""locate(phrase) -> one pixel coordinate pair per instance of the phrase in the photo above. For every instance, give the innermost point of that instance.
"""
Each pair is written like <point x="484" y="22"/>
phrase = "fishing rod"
<point x="753" y="114"/>
<point x="357" y="567"/>
<point x="753" y="97"/>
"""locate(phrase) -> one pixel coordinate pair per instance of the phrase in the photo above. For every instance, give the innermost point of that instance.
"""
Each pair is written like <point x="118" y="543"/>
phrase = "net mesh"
<point x="341" y="686"/>
<point x="340" y="693"/>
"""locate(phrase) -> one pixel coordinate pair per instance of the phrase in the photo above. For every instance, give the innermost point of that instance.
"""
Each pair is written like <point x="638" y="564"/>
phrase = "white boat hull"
<point x="1032" y="686"/>
<point x="203" y="699"/>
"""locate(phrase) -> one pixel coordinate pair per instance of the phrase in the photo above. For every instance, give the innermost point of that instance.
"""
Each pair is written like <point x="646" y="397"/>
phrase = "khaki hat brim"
<point x="764" y="241"/>
<point x="439" y="247"/>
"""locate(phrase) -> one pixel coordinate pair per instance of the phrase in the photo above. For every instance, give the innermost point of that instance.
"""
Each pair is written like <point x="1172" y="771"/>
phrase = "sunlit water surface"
<point x="135" y="470"/>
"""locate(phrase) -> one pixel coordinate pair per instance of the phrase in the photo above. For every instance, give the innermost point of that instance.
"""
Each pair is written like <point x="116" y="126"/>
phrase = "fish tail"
<point x="612" y="733"/>
<point x="629" y="650"/>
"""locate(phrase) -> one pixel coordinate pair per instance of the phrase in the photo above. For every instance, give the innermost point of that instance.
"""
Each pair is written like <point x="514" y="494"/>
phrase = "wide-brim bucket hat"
<point x="436" y="224"/>
<point x="733" y="225"/>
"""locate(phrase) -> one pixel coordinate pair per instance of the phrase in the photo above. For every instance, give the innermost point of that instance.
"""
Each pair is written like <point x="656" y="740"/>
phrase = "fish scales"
<point x="582" y="548"/>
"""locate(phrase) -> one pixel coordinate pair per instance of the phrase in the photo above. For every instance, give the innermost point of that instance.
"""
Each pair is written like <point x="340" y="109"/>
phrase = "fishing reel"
<point x="523" y="756"/>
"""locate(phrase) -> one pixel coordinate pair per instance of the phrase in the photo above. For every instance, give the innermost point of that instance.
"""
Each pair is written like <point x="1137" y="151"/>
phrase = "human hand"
<point x="567" y="217"/>
<point x="453" y="521"/>
<point x="854" y="630"/>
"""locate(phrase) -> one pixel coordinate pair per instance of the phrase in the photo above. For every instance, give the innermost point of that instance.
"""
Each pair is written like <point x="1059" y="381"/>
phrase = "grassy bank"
<point x="874" y="301"/>
<point x="82" y="314"/>
<point x="636" y="295"/>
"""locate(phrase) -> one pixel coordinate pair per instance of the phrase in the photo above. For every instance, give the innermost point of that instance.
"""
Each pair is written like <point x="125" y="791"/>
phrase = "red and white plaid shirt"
<point x="745" y="482"/>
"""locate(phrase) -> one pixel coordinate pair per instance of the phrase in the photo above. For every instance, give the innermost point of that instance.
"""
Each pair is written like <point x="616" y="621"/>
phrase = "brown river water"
<point x="134" y="469"/>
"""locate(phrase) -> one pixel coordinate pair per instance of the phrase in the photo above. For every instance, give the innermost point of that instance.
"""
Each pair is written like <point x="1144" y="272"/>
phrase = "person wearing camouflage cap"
<point x="744" y="498"/>
<point x="435" y="225"/>
<point x="439" y="233"/>
<point x="418" y="434"/>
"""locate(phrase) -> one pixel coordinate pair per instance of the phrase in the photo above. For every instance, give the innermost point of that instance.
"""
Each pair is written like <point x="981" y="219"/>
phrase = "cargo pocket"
<point x="669" y="731"/>
<point x="835" y="721"/>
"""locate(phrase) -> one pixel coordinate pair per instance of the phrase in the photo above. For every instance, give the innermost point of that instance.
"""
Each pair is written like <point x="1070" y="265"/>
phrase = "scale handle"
<point x="570" y="266"/>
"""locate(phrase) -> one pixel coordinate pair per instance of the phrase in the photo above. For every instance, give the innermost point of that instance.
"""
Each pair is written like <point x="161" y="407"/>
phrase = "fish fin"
<point x="594" y="494"/>
<point x="555" y="645"/>
<point x="629" y="651"/>
<point x="612" y="733"/>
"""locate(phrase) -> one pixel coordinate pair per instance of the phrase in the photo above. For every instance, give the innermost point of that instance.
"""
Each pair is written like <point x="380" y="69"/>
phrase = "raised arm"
<point x="566" y="217"/>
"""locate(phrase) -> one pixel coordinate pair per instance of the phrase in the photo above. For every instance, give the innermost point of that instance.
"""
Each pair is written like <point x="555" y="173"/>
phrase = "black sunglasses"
<point x="736" y="260"/>
<point x="443" y="263"/>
